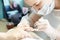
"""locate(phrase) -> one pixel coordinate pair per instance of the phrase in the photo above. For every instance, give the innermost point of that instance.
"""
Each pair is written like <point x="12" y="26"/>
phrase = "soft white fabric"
<point x="47" y="8"/>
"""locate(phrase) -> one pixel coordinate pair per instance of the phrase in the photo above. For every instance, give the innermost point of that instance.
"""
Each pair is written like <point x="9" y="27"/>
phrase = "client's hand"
<point x="24" y="25"/>
<point x="18" y="35"/>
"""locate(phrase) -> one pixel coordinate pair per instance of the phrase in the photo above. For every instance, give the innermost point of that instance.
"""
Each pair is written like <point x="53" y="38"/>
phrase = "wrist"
<point x="51" y="32"/>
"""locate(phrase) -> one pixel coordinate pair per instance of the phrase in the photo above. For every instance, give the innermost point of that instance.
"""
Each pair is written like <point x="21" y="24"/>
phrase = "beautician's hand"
<point x="42" y="24"/>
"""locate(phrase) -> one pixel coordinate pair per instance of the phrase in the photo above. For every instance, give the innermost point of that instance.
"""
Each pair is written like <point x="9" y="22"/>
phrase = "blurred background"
<point x="9" y="14"/>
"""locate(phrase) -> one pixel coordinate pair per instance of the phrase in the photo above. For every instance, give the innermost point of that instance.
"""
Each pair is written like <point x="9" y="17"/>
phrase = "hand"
<point x="3" y="36"/>
<point x="18" y="35"/>
<point x="24" y="25"/>
<point x="42" y="24"/>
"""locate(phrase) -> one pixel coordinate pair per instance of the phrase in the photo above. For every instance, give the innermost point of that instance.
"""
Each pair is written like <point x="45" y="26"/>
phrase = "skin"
<point x="34" y="4"/>
<point x="57" y="4"/>
<point x="11" y="3"/>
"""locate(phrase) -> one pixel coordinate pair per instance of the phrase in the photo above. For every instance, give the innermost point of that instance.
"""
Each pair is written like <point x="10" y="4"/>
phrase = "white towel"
<point x="47" y="8"/>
